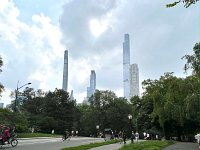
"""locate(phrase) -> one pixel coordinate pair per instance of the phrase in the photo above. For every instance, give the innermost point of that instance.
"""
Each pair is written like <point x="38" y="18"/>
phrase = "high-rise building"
<point x="1" y="105"/>
<point x="126" y="66"/>
<point x="134" y="80"/>
<point x="91" y="89"/>
<point x="71" y="95"/>
<point x="65" y="71"/>
<point x="92" y="81"/>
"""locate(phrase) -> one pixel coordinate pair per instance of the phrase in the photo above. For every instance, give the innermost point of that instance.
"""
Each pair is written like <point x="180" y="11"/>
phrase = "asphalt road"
<point x="50" y="143"/>
<point x="183" y="146"/>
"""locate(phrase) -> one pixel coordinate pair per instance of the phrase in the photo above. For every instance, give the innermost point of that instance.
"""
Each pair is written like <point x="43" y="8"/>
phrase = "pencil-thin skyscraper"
<point x="93" y="81"/>
<point x="65" y="72"/>
<point x="126" y="66"/>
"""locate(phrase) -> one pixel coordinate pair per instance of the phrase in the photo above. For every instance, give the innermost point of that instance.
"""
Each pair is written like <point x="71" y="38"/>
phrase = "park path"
<point x="176" y="146"/>
<point x="183" y="146"/>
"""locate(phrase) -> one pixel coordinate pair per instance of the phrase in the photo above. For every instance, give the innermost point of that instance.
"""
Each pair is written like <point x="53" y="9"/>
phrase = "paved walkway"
<point x="115" y="146"/>
<point x="177" y="146"/>
<point x="183" y="146"/>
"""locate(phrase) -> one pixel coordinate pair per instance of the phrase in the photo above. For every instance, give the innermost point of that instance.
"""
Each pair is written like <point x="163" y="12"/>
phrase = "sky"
<point x="34" y="35"/>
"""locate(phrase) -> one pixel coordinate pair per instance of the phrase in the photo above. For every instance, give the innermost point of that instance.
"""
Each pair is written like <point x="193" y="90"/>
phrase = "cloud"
<point x="37" y="54"/>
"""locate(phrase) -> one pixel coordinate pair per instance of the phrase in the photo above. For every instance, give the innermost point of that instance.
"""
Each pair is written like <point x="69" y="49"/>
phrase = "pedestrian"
<point x="148" y="136"/>
<point x="66" y="134"/>
<point x="132" y="137"/>
<point x="124" y="137"/>
<point x="156" y="137"/>
<point x="32" y="130"/>
<point x="52" y="132"/>
<point x="145" y="134"/>
<point x="120" y="136"/>
<point x="136" y="136"/>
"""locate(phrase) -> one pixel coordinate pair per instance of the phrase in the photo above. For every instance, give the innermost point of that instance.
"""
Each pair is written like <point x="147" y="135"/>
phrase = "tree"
<point x="186" y="3"/>
<point x="171" y="98"/>
<point x="193" y="61"/>
<point x="1" y="86"/>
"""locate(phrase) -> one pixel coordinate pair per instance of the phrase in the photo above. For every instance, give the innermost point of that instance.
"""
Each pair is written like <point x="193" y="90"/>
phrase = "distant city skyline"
<point x="130" y="71"/>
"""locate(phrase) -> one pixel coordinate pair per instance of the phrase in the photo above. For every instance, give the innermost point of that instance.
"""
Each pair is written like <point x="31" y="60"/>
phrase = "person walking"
<point x="124" y="137"/>
<point x="132" y="137"/>
<point x="136" y="136"/>
<point x="52" y="132"/>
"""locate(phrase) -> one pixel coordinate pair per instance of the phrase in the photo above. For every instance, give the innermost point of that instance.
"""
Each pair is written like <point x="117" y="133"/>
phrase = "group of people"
<point x="5" y="133"/>
<point x="123" y="136"/>
<point x="197" y="137"/>
<point x="134" y="136"/>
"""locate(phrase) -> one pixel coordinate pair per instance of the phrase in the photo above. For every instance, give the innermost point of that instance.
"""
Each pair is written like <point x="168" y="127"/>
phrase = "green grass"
<point x="31" y="135"/>
<point x="147" y="145"/>
<point x="88" y="146"/>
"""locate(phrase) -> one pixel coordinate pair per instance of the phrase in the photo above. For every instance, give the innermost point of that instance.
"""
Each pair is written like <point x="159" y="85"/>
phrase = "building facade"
<point x="65" y="71"/>
<point x="91" y="89"/>
<point x="126" y="66"/>
<point x="134" y="80"/>
<point x="1" y="105"/>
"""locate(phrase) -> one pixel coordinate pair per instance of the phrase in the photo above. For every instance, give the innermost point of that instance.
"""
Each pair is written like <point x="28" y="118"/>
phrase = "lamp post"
<point x="130" y="119"/>
<point x="97" y="127"/>
<point x="16" y="94"/>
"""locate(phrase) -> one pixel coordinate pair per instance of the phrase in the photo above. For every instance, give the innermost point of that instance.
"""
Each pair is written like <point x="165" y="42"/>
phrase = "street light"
<point x="130" y="118"/>
<point x="16" y="94"/>
<point x="97" y="127"/>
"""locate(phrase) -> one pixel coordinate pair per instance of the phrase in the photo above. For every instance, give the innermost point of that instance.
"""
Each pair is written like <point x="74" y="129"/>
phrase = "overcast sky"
<point x="35" y="33"/>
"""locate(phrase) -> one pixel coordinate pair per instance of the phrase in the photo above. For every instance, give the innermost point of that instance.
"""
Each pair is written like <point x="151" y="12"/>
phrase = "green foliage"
<point x="186" y="3"/>
<point x="173" y="100"/>
<point x="193" y="61"/>
<point x="47" y="111"/>
<point x="10" y="119"/>
<point x="1" y="86"/>
<point x="107" y="111"/>
<point x="31" y="135"/>
<point x="147" y="145"/>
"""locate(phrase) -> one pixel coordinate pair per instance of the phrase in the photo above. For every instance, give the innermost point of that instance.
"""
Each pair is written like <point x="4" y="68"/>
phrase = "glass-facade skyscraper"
<point x="126" y="66"/>
<point x="92" y="88"/>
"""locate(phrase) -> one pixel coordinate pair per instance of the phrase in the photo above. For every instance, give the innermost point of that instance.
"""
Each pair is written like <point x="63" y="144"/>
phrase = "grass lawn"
<point x="147" y="145"/>
<point x="30" y="135"/>
<point x="88" y="146"/>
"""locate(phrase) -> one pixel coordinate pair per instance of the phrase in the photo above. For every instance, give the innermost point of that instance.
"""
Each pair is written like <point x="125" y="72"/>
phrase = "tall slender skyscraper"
<point x="92" y="88"/>
<point x="93" y="81"/>
<point x="126" y="66"/>
<point x="65" y="71"/>
<point x="134" y="80"/>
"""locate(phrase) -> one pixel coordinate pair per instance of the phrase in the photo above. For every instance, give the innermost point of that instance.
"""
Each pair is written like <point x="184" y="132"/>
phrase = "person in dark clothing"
<point x="124" y="137"/>
<point x="132" y="137"/>
<point x="66" y="134"/>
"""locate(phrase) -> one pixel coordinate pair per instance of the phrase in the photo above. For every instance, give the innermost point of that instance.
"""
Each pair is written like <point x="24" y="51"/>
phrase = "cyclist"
<point x="6" y="135"/>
